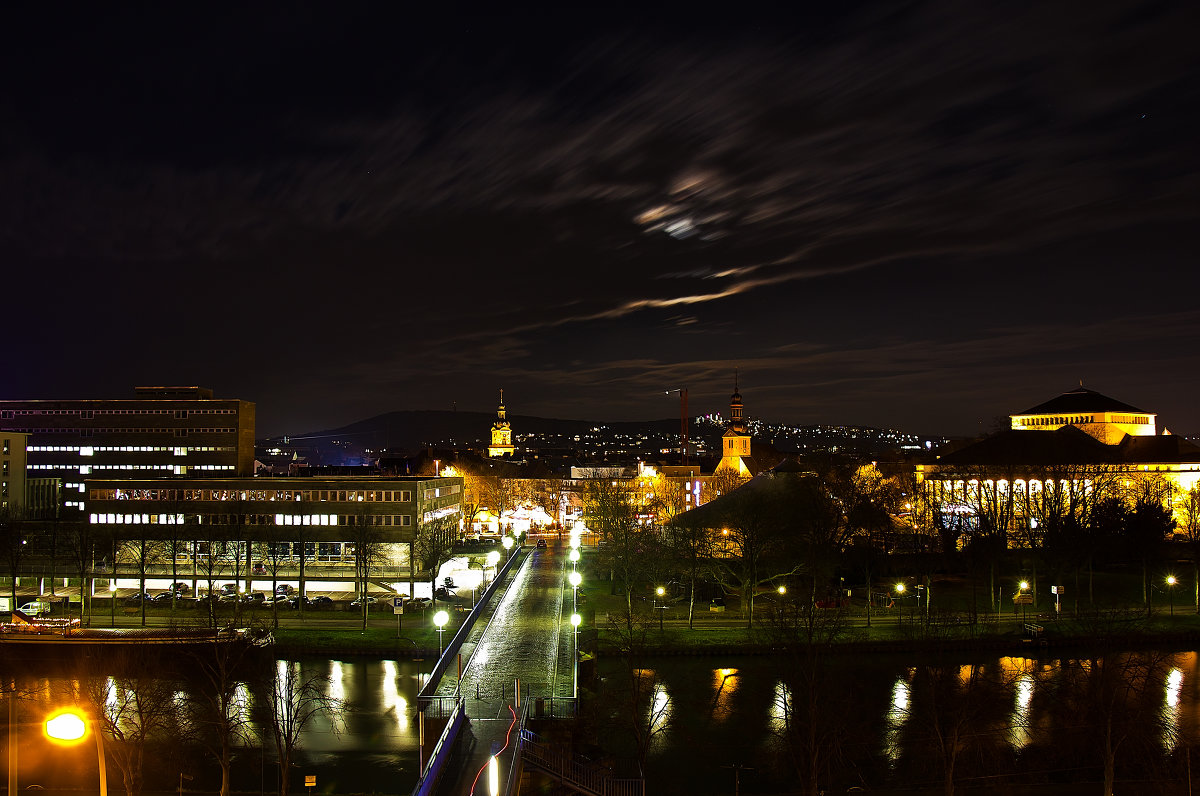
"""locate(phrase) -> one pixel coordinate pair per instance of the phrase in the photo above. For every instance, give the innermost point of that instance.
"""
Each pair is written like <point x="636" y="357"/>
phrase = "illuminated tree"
<point x="1188" y="510"/>
<point x="434" y="545"/>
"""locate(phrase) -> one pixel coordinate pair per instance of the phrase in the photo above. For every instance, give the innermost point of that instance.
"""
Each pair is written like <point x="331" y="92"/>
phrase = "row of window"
<point x="269" y="495"/>
<point x="87" y="414"/>
<point x="385" y="520"/>
<point x="442" y="491"/>
<point x="92" y="450"/>
<point x="91" y="430"/>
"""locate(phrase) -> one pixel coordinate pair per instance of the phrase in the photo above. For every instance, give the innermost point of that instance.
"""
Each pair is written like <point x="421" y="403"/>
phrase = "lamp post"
<point x="71" y="727"/>
<point x="493" y="558"/>
<point x="573" y="557"/>
<point x="576" y="619"/>
<point x="575" y="579"/>
<point x="440" y="619"/>
<point x="900" y="599"/>
<point x="662" y="606"/>
<point x="112" y="602"/>
<point x="1022" y="587"/>
<point x="1171" y="581"/>
<point x="507" y="541"/>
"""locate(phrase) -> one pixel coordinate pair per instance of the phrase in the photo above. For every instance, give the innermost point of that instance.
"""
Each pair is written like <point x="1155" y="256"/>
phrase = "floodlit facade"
<point x="735" y="443"/>
<point x="501" y="444"/>
<point x="1054" y="459"/>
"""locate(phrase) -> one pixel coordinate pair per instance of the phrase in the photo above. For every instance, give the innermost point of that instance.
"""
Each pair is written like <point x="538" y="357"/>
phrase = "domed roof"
<point x="1080" y="400"/>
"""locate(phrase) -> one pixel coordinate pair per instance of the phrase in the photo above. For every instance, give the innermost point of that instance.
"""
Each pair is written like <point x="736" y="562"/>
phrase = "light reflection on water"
<point x="897" y="716"/>
<point x="1170" y="710"/>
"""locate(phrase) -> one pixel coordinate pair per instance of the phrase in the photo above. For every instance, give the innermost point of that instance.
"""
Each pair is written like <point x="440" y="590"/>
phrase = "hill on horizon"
<point x="413" y="429"/>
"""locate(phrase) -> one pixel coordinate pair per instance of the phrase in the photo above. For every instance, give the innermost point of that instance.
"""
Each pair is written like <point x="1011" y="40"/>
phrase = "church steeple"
<point x="735" y="443"/>
<point x="501" y="433"/>
<point x="737" y="422"/>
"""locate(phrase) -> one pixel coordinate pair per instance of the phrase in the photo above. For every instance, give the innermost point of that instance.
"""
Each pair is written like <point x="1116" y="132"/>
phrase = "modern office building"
<point x="12" y="471"/>
<point x="320" y="519"/>
<point x="161" y="431"/>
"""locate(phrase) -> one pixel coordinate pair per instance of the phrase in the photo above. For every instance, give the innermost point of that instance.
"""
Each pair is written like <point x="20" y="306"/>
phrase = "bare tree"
<point x="296" y="700"/>
<point x="370" y="555"/>
<point x="13" y="545"/>
<point x="219" y="707"/>
<point x="434" y="545"/>
<point x="142" y="552"/>
<point x="135" y="709"/>
<point x="1188" y="510"/>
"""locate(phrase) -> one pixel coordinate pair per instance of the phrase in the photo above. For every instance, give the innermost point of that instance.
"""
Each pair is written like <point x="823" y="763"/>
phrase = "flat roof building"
<point x="162" y="431"/>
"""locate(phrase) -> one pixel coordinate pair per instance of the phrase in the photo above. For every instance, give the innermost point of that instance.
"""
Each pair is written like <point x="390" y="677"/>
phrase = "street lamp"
<point x="662" y="607"/>
<point x="1022" y="587"/>
<point x="573" y="557"/>
<point x="575" y="579"/>
<point x="440" y="619"/>
<point x="1171" y="581"/>
<point x="900" y="593"/>
<point x="493" y="558"/>
<point x="70" y="727"/>
<point x="507" y="541"/>
<point x="576" y="619"/>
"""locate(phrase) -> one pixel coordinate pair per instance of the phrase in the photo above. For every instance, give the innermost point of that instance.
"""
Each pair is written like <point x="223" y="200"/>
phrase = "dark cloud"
<point x="861" y="208"/>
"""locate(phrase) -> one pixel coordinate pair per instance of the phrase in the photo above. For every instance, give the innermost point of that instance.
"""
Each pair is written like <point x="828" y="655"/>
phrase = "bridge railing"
<point x="456" y="643"/>
<point x="432" y="770"/>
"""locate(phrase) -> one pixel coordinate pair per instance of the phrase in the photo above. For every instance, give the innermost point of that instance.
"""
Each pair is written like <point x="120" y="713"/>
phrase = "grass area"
<point x="1115" y="610"/>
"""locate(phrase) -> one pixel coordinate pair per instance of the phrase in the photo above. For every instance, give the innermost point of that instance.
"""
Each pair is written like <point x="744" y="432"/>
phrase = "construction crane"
<point x="683" y="421"/>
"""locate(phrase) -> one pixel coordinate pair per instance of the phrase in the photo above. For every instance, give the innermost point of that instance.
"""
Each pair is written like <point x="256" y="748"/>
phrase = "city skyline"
<point x="921" y="217"/>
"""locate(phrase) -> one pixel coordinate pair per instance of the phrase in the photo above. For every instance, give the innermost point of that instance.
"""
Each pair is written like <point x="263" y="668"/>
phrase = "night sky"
<point x="920" y="216"/>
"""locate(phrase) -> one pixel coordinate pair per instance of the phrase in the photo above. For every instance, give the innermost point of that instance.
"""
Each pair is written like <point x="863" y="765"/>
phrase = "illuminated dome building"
<point x="1054" y="462"/>
<point x="501" y="433"/>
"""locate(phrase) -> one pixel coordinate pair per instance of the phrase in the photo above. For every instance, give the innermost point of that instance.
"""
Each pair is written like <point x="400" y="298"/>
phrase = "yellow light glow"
<point x="1171" y="580"/>
<point x="783" y="589"/>
<point x="1024" y="585"/>
<point x="493" y="776"/>
<point x="66" y="726"/>
<point x="575" y="578"/>
<point x="440" y="619"/>
<point x="576" y="619"/>
<point x="900" y="588"/>
<point x="660" y="591"/>
<point x="574" y="556"/>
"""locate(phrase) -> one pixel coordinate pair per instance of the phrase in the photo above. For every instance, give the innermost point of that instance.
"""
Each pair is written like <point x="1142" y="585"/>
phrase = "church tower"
<point x="501" y="433"/>
<point x="735" y="443"/>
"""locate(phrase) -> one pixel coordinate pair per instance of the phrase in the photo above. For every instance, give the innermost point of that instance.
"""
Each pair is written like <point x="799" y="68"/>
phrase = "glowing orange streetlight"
<point x="69" y="727"/>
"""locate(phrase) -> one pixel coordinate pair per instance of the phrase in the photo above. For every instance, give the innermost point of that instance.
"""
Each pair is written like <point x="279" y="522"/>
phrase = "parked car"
<point x="418" y="603"/>
<point x="357" y="605"/>
<point x="541" y="544"/>
<point x="255" y="599"/>
<point x="321" y="601"/>
<point x="137" y="599"/>
<point x="285" y="589"/>
<point x="296" y="601"/>
<point x="229" y="588"/>
<point x="179" y="587"/>
<point x="35" y="608"/>
<point x="166" y="597"/>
